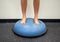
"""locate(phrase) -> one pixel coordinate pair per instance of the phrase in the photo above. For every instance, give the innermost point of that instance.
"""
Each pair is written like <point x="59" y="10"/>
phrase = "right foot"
<point x="23" y="21"/>
<point x="36" y="21"/>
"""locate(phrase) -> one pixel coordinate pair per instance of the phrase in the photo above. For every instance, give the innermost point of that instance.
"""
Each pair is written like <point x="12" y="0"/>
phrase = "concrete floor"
<point x="52" y="35"/>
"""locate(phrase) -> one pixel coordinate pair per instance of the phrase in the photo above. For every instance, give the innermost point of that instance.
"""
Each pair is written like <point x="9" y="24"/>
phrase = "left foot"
<point x="36" y="21"/>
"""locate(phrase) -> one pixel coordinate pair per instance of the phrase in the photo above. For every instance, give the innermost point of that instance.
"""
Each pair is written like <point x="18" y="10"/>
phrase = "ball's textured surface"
<point x="30" y="28"/>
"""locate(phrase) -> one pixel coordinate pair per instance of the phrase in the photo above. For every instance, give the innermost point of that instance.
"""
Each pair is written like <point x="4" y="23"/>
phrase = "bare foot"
<point x="36" y="21"/>
<point x="23" y="21"/>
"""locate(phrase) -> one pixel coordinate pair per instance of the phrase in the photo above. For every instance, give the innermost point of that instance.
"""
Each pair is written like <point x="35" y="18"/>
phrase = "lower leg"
<point x="36" y="8"/>
<point x="23" y="6"/>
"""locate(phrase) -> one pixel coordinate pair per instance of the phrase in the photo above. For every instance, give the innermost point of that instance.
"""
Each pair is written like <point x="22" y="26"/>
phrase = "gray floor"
<point x="52" y="35"/>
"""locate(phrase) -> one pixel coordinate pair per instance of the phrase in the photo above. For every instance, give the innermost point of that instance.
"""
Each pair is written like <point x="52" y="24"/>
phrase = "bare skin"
<point x="36" y="8"/>
<point x="24" y="6"/>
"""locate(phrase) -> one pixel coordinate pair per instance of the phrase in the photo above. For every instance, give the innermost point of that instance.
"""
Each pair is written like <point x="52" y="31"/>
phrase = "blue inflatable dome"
<point x="30" y="28"/>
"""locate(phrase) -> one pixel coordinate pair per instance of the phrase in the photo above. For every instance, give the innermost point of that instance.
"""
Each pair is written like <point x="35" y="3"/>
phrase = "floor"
<point x="52" y="35"/>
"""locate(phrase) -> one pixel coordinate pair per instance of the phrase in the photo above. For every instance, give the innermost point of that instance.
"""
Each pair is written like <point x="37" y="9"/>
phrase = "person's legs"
<point x="36" y="8"/>
<point x="23" y="6"/>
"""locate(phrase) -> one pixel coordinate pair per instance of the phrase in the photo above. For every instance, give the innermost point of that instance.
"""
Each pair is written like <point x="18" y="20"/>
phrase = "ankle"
<point x="35" y="18"/>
